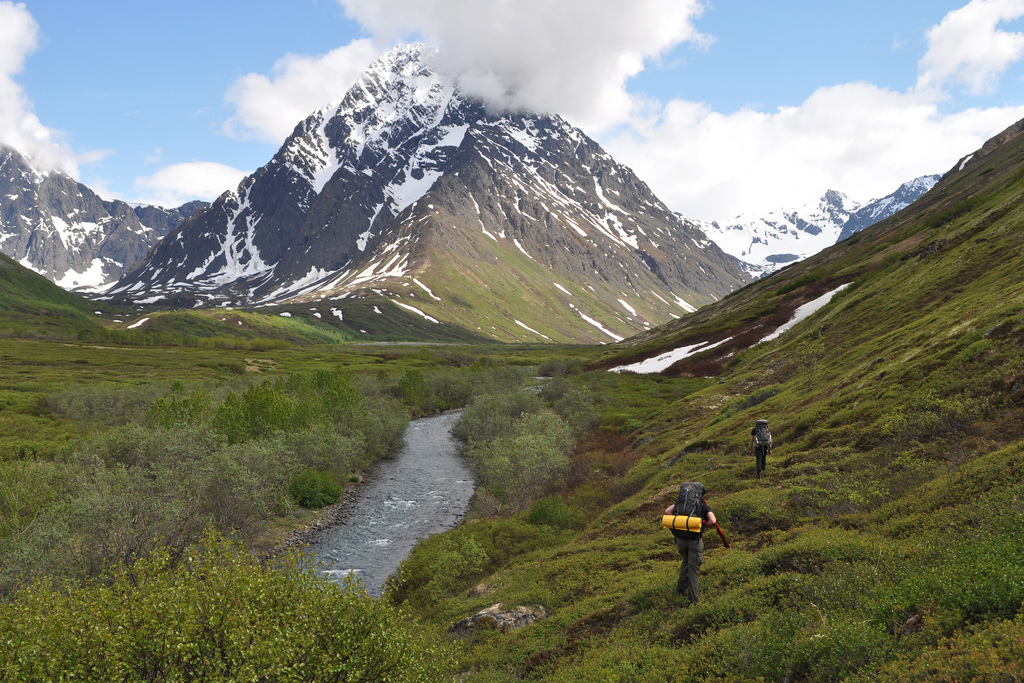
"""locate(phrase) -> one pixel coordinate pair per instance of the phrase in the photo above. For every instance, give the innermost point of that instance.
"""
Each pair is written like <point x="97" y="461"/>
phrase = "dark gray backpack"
<point x="689" y="504"/>
<point x="762" y="435"/>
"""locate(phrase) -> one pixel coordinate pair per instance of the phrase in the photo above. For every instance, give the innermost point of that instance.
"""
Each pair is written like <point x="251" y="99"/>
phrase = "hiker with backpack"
<point x="760" y="445"/>
<point x="689" y="514"/>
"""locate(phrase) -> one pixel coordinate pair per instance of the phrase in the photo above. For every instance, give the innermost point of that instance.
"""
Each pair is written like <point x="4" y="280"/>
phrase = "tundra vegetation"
<point x="130" y="490"/>
<point x="883" y="543"/>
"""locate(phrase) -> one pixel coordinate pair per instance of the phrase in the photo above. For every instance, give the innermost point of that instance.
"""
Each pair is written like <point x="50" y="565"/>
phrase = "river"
<point x="424" y="489"/>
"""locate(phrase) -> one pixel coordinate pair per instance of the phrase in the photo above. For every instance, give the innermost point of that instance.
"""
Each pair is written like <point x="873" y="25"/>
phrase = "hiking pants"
<point x="761" y="455"/>
<point x="692" y="550"/>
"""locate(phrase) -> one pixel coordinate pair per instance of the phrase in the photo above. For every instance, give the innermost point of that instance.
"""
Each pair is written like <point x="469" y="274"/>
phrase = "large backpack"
<point x="689" y="503"/>
<point x="762" y="435"/>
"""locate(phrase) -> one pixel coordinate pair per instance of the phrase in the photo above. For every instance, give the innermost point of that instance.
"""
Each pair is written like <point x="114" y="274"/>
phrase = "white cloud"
<point x="178" y="183"/>
<point x="575" y="57"/>
<point x="966" y="48"/>
<point x="19" y="126"/>
<point x="857" y="138"/>
<point x="268" y="108"/>
<point x="572" y="57"/>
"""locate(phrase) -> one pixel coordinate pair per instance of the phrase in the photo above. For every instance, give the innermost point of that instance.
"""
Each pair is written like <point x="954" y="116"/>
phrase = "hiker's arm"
<point x="711" y="518"/>
<point x="671" y="509"/>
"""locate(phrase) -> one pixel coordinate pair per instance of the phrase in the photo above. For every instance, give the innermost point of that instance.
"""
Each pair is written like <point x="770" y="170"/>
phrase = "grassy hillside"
<point x="31" y="304"/>
<point x="884" y="542"/>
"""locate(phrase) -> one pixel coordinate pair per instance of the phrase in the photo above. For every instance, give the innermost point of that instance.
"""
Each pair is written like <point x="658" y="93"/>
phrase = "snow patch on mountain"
<point x="804" y="312"/>
<point x="91" y="278"/>
<point x="666" y="360"/>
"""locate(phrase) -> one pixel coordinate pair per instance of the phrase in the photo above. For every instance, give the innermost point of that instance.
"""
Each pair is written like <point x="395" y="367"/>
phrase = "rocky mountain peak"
<point x="770" y="241"/>
<point x="406" y="182"/>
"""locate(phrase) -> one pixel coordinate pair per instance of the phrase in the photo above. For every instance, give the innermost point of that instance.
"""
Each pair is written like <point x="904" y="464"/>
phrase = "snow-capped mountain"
<point x="61" y="229"/>
<point x="514" y="224"/>
<point x="767" y="243"/>
<point x="880" y="209"/>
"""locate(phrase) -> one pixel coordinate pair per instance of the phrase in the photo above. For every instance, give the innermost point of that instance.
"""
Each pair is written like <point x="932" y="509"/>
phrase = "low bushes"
<point x="517" y="467"/>
<point x="555" y="513"/>
<point x="212" y="614"/>
<point x="176" y="462"/>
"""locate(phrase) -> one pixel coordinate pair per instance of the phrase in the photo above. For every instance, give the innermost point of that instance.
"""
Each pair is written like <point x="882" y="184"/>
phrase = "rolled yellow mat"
<point x="681" y="522"/>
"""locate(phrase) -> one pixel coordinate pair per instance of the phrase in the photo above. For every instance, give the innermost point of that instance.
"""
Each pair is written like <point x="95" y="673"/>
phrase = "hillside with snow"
<point x="60" y="228"/>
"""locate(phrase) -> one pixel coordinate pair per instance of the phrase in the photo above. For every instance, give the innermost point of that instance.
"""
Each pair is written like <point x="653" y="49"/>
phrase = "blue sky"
<point x="722" y="107"/>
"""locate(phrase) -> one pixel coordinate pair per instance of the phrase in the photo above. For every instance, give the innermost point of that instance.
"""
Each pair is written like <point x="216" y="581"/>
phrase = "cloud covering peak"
<point x="571" y="57"/>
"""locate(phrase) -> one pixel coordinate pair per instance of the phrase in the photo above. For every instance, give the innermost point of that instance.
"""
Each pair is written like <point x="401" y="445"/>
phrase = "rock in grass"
<point x="494" y="618"/>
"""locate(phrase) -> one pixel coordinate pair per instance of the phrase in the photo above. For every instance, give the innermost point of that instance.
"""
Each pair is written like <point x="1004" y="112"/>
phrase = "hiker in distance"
<point x="690" y="544"/>
<point x="760" y="445"/>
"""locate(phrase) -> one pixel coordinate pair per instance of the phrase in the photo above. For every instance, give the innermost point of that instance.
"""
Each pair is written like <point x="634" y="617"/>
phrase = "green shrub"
<point x="840" y="648"/>
<point x="315" y="489"/>
<point x="259" y="412"/>
<point x="519" y="466"/>
<point x="576" y="407"/>
<point x="495" y="542"/>
<point x="382" y="424"/>
<point x="194" y="409"/>
<point x="448" y="389"/>
<point x="324" y="449"/>
<point x="453" y="565"/>
<point x="493" y="415"/>
<point x="552" y="511"/>
<point x="557" y="367"/>
<point x="213" y="614"/>
<point x="413" y="390"/>
<point x="985" y="652"/>
<point x="106" y="404"/>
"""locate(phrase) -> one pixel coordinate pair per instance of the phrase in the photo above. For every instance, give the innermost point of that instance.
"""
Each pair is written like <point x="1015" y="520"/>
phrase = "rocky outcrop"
<point x="497" y="619"/>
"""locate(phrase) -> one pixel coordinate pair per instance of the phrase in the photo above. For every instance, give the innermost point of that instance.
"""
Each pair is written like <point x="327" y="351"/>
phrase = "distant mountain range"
<point x="407" y="191"/>
<point x="512" y="225"/>
<point x="60" y="228"/>
<point x="769" y="242"/>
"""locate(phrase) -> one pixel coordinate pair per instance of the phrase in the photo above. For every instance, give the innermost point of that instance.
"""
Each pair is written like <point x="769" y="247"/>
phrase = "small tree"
<point x="520" y="466"/>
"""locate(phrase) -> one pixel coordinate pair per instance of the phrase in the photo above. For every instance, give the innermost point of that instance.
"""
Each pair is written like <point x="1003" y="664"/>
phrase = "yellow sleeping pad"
<point x="681" y="522"/>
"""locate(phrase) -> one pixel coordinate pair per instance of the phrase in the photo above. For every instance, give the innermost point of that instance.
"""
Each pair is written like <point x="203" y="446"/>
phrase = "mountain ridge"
<point x="406" y="190"/>
<point x="60" y="228"/>
<point x="766" y="243"/>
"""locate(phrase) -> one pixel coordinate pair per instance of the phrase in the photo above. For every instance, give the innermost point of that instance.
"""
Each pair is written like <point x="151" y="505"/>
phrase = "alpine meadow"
<point x="178" y="437"/>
